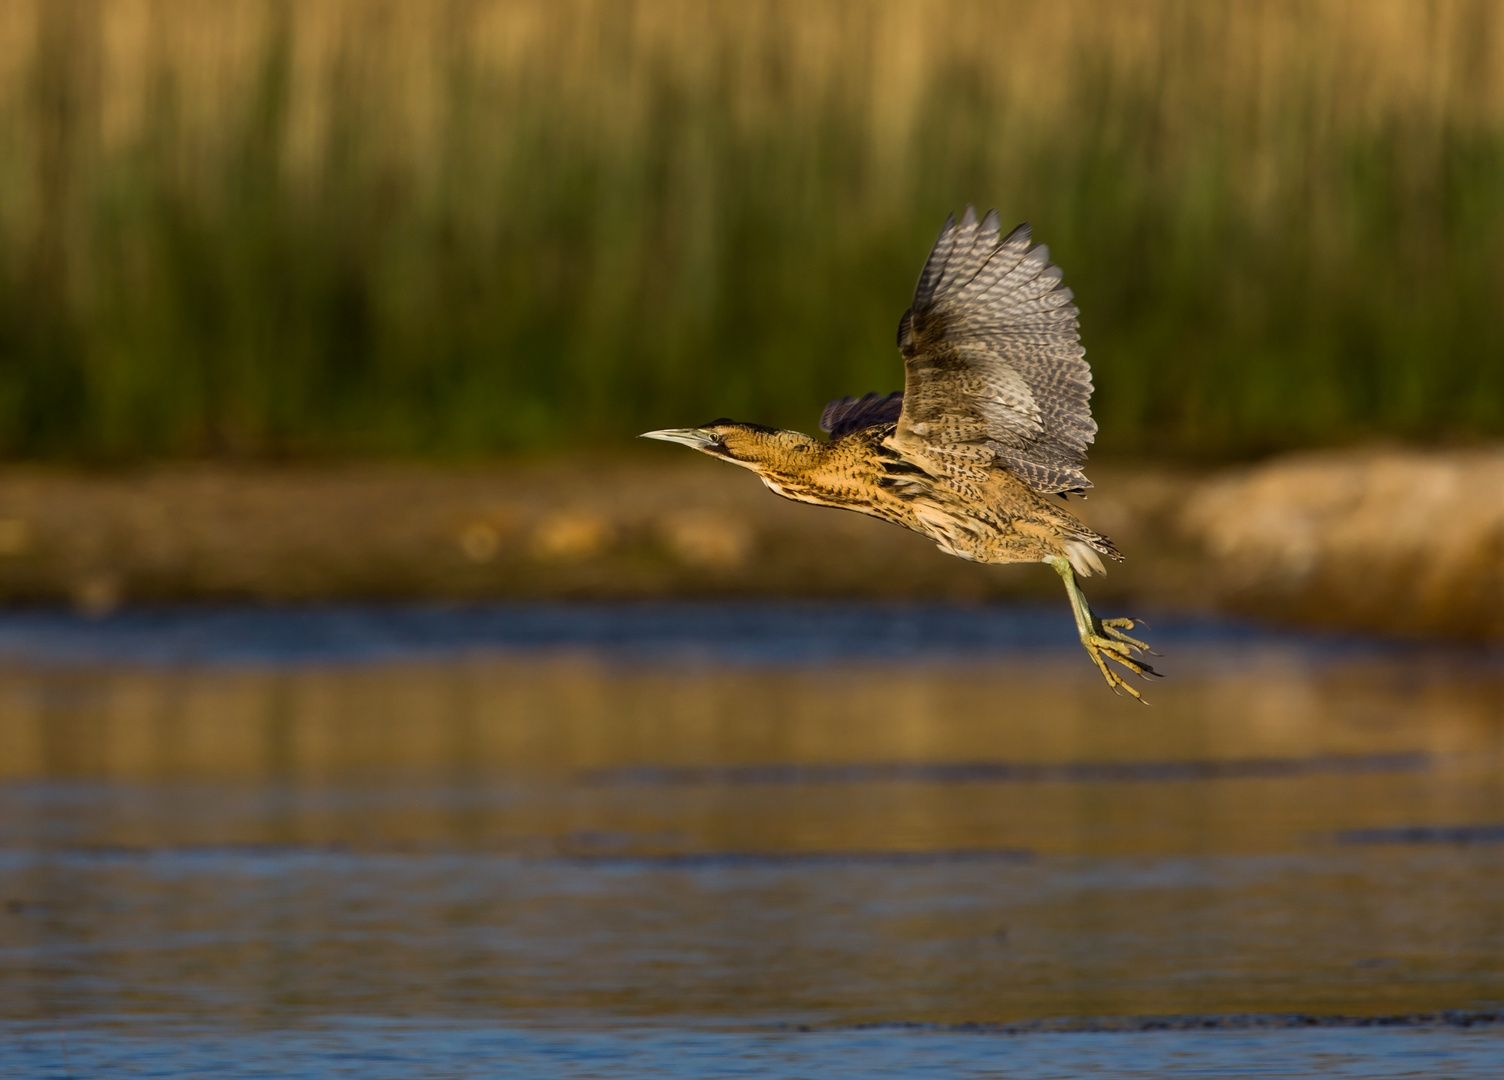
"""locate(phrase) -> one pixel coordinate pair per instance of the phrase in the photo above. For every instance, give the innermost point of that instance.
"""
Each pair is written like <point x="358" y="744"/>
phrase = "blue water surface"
<point x="740" y="840"/>
<point x="399" y="1050"/>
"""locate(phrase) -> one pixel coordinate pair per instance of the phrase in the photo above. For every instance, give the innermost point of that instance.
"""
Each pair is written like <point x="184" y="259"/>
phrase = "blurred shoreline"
<point x="1388" y="541"/>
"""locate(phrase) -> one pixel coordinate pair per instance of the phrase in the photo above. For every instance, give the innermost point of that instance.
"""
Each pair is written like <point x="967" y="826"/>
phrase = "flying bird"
<point x="994" y="419"/>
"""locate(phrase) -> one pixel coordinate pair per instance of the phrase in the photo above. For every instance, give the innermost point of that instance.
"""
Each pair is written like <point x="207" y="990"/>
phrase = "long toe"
<point x="1114" y="680"/>
<point x="1103" y="649"/>
<point x="1115" y="628"/>
<point x="1141" y="669"/>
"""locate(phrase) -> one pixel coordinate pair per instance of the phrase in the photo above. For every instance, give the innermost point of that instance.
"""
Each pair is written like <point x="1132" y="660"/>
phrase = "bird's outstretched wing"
<point x="994" y="368"/>
<point x="852" y="414"/>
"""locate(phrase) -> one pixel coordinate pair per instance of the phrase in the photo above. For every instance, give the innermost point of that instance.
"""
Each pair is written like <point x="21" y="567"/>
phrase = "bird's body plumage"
<point x="994" y="419"/>
<point x="992" y="518"/>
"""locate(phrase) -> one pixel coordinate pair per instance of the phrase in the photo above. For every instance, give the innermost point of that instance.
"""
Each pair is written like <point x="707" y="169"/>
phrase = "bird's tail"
<point x="1083" y="551"/>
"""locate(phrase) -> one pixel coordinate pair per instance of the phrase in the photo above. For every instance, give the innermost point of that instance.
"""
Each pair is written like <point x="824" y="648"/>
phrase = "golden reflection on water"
<point x="486" y="837"/>
<point x="554" y="732"/>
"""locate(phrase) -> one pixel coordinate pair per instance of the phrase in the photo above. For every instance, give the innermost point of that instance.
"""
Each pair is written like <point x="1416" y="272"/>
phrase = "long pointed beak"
<point x="694" y="438"/>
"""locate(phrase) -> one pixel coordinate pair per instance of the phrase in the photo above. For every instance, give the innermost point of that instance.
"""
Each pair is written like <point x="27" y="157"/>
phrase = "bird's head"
<point x="752" y="446"/>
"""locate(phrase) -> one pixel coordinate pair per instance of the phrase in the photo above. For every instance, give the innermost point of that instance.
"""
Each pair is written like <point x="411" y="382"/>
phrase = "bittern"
<point x="994" y="418"/>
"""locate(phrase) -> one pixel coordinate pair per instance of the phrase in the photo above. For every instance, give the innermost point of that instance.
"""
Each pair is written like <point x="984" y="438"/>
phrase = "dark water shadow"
<point x="755" y="633"/>
<point x="1425" y="834"/>
<point x="998" y="772"/>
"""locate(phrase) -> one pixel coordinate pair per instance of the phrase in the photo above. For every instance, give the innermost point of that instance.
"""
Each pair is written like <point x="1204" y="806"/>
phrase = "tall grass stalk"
<point x="281" y="228"/>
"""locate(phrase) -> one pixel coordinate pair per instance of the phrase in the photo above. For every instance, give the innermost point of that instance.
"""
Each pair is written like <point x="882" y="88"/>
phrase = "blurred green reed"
<point x="274" y="230"/>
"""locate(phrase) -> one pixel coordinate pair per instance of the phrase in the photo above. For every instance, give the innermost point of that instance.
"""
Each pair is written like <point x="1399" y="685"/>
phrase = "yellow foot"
<point x="1107" y="640"/>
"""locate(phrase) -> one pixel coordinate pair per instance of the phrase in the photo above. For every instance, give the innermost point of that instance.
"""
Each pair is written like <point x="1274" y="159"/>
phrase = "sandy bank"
<point x="1394" y="541"/>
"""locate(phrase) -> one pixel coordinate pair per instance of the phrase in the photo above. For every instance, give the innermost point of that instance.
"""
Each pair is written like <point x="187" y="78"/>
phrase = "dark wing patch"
<point x="994" y="368"/>
<point x="853" y="414"/>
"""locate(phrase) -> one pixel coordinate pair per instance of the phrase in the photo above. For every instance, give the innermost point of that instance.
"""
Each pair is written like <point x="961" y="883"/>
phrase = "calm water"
<point x="740" y="841"/>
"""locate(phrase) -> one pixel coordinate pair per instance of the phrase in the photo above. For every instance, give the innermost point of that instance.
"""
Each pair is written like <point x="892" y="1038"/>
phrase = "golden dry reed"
<point x="262" y="229"/>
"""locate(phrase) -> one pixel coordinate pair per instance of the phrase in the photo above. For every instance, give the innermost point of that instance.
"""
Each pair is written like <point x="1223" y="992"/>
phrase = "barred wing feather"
<point x="994" y="368"/>
<point x="850" y="414"/>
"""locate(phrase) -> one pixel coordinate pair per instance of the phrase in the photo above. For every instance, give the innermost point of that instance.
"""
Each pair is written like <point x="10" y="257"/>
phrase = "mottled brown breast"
<point x="855" y="472"/>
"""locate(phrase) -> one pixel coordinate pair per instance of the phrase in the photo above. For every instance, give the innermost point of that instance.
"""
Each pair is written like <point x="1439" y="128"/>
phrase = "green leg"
<point x="1103" y="639"/>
